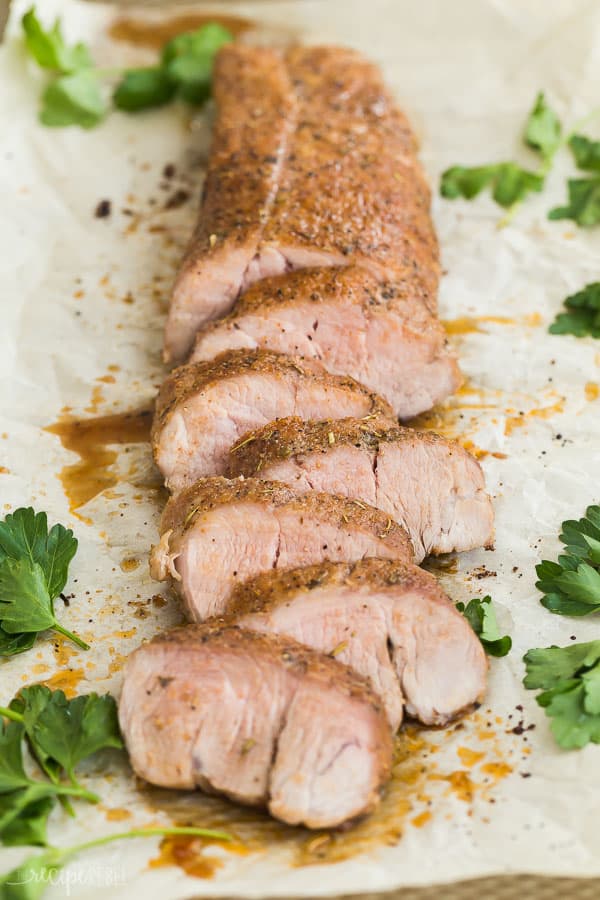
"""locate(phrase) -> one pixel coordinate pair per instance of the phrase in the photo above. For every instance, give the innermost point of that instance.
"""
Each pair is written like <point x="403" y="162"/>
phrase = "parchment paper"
<point x="83" y="300"/>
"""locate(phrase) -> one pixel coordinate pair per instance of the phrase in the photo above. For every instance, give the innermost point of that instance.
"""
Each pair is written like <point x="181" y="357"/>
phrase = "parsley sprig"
<point x="510" y="183"/>
<point x="31" y="878"/>
<point x="481" y="616"/>
<point x="582" y="316"/>
<point x="34" y="565"/>
<point x="59" y="734"/>
<point x="571" y="586"/>
<point x="76" y="94"/>
<point x="569" y="678"/>
<point x="583" y="205"/>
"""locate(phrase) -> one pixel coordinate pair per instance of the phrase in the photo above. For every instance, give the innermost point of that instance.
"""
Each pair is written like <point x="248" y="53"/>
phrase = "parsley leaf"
<point x="143" y="89"/>
<point x="188" y="60"/>
<point x="12" y="773"/>
<point x="63" y="732"/>
<point x="48" y="47"/>
<point x="586" y="153"/>
<point x="73" y="100"/>
<point x="571" y="586"/>
<point x="460" y="181"/>
<point x="25" y="534"/>
<point x="584" y="203"/>
<point x="513" y="183"/>
<point x="25" y="603"/>
<point x="30" y="827"/>
<point x="34" y="565"/>
<point x="509" y="182"/>
<point x="543" y="129"/>
<point x="60" y="734"/>
<point x="569" y="678"/>
<point x="583" y="313"/>
<point x="481" y="616"/>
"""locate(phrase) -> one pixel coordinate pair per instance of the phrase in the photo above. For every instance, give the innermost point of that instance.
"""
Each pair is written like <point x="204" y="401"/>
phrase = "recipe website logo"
<point x="71" y="879"/>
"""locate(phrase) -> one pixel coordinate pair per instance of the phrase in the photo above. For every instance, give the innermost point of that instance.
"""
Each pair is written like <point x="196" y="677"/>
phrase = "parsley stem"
<point x="150" y="832"/>
<point x="72" y="637"/>
<point x="72" y="790"/>
<point x="10" y="714"/>
<point x="580" y="124"/>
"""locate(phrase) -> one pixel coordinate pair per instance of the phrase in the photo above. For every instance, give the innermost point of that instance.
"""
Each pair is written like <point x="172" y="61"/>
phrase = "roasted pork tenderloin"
<point x="318" y="168"/>
<point x="389" y="621"/>
<point x="204" y="409"/>
<point x="220" y="532"/>
<point x="380" y="333"/>
<point x="259" y="719"/>
<point x="430" y="485"/>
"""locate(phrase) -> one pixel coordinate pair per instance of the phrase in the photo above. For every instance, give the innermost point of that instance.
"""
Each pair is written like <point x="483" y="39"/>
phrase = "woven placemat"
<point x="503" y="887"/>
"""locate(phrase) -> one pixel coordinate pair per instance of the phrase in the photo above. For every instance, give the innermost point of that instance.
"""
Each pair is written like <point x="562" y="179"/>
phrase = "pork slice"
<point x="259" y="719"/>
<point x="204" y="409"/>
<point x="389" y="621"/>
<point x="255" y="111"/>
<point x="380" y="333"/>
<point x="429" y="484"/>
<point x="220" y="532"/>
<point x="312" y="165"/>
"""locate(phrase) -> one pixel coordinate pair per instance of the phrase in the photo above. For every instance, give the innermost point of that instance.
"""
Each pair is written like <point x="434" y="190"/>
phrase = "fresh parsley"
<point x="543" y="129"/>
<point x="76" y="95"/>
<point x="188" y="60"/>
<point x="481" y="616"/>
<point x="583" y="204"/>
<point x="34" y="564"/>
<point x="60" y="734"/>
<point x="586" y="153"/>
<point x="143" y="88"/>
<point x="571" y="586"/>
<point x="48" y="47"/>
<point x="583" y="313"/>
<point x="510" y="183"/>
<point x="30" y="879"/>
<point x="569" y="678"/>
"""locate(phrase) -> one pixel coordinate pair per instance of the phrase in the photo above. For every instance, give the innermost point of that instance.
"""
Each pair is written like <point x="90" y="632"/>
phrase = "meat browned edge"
<point x="429" y="484"/>
<point x="220" y="532"/>
<point x="259" y="719"/>
<point x="203" y="409"/>
<point x="389" y="621"/>
<point x="311" y="165"/>
<point x="381" y="333"/>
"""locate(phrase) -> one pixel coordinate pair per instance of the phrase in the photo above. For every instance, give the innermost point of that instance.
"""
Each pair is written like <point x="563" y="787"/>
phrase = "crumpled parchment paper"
<point x="83" y="301"/>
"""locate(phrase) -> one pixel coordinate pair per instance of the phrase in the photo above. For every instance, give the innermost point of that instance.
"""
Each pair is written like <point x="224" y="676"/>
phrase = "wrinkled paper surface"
<point x="83" y="302"/>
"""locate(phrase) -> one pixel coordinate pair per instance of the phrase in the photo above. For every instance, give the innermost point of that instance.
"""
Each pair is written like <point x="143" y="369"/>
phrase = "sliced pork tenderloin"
<point x="220" y="532"/>
<point x="255" y="104"/>
<point x="429" y="484"/>
<point x="204" y="409"/>
<point x="259" y="719"/>
<point x="382" y="334"/>
<point x="317" y="168"/>
<point x="389" y="621"/>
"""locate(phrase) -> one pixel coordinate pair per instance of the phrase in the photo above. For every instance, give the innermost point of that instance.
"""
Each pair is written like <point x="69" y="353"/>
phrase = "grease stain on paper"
<point x="92" y="439"/>
<point x="153" y="34"/>
<point x="413" y="798"/>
